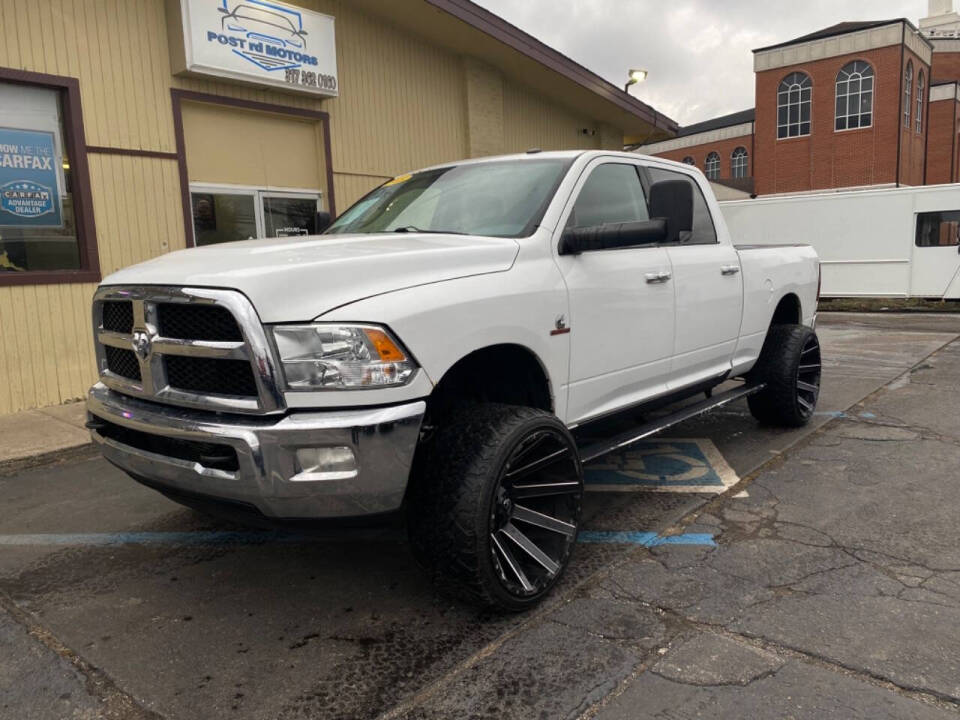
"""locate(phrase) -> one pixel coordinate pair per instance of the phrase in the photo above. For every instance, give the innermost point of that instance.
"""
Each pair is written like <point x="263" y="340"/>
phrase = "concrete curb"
<point x="77" y="453"/>
<point x="34" y="437"/>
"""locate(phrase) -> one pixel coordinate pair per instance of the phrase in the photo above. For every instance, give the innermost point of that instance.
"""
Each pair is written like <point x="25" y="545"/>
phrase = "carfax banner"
<point x="29" y="179"/>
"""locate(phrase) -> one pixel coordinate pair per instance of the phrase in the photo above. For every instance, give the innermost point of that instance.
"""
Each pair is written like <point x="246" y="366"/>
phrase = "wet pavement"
<point x="824" y="583"/>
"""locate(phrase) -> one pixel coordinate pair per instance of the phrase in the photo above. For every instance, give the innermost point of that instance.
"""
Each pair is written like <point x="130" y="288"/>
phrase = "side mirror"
<point x="616" y="235"/>
<point x="672" y="201"/>
<point x="323" y="221"/>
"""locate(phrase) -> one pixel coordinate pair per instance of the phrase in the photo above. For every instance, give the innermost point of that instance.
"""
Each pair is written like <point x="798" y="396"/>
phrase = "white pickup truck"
<point x="439" y="348"/>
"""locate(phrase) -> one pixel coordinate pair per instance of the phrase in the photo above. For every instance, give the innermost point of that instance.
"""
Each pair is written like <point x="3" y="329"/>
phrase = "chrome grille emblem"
<point x="142" y="344"/>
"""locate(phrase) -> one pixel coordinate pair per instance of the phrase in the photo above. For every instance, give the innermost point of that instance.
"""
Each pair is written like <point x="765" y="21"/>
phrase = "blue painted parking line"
<point x="646" y="539"/>
<point x="216" y="538"/>
<point x="665" y="465"/>
<point x="153" y="538"/>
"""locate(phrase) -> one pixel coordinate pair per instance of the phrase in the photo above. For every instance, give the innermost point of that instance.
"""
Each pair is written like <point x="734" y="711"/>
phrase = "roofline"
<point x="847" y="32"/>
<point x="729" y="121"/>
<point x="704" y="137"/>
<point x="512" y="36"/>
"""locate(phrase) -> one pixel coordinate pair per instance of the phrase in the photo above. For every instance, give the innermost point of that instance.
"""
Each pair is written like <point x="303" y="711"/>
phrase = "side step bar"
<point x="601" y="448"/>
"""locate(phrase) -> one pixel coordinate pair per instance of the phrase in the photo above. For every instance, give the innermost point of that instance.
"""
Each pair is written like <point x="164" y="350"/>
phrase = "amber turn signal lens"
<point x="386" y="348"/>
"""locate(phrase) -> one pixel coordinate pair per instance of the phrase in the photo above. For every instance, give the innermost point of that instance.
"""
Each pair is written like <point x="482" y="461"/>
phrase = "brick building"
<point x="942" y="29"/>
<point x="943" y="148"/>
<point x="712" y="146"/>
<point x="856" y="104"/>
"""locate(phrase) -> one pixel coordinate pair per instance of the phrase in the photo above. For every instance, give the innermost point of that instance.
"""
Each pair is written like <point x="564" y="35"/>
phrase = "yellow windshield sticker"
<point x="397" y="180"/>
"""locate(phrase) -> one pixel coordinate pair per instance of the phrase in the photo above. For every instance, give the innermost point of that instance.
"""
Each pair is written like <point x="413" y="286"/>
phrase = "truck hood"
<point x="297" y="279"/>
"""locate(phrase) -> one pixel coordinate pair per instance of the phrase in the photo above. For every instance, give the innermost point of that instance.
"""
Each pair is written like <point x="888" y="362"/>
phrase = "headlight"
<point x="341" y="357"/>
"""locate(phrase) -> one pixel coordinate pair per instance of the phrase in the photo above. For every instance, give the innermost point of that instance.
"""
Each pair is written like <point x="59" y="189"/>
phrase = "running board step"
<point x="599" y="449"/>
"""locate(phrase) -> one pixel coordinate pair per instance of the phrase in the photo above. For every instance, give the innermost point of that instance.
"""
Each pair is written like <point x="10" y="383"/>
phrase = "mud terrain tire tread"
<point x="451" y="494"/>
<point x="777" y="366"/>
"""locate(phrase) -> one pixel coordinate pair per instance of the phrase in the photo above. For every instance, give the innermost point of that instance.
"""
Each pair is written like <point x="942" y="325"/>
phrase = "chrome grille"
<point x="118" y="316"/>
<point x="185" y="346"/>
<point x="199" y="322"/>
<point x="209" y="375"/>
<point x="123" y="362"/>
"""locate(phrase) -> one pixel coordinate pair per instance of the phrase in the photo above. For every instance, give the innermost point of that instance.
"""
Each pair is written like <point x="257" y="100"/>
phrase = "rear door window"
<point x="704" y="232"/>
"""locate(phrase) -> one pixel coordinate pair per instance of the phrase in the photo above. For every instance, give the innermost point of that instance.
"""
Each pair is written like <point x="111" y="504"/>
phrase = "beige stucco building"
<point x="130" y="128"/>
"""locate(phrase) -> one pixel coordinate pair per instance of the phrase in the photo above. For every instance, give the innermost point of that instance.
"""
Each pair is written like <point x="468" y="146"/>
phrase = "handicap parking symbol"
<point x="669" y="465"/>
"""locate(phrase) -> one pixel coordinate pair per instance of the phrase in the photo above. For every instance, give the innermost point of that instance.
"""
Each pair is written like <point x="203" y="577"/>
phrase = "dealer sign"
<point x="260" y="41"/>
<point x="29" y="179"/>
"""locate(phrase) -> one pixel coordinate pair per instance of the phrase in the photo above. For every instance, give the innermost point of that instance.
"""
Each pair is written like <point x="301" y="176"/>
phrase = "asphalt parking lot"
<point x="726" y="570"/>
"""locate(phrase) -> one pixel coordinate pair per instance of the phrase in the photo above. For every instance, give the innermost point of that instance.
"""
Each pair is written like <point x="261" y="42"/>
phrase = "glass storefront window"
<point x="38" y="228"/>
<point x="219" y="217"/>
<point x="289" y="216"/>
<point x="226" y="214"/>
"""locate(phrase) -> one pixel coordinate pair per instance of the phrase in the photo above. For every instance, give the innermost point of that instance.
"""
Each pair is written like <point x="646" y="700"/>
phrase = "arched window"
<point x="920" y="97"/>
<point x="907" y="94"/>
<point x="738" y="163"/>
<point x="793" y="105"/>
<point x="689" y="161"/>
<point x="854" y="96"/>
<point x="713" y="166"/>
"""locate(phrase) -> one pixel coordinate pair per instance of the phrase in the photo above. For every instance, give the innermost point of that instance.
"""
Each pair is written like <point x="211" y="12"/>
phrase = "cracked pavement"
<point x="833" y="590"/>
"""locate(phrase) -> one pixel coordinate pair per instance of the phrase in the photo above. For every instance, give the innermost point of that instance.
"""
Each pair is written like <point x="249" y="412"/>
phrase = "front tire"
<point x="495" y="506"/>
<point x="790" y="365"/>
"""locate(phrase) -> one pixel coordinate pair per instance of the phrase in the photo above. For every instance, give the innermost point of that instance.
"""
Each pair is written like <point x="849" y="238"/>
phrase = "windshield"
<point x="501" y="199"/>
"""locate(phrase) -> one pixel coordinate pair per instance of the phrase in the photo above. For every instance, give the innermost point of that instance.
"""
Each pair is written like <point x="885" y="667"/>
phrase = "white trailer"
<point x="891" y="242"/>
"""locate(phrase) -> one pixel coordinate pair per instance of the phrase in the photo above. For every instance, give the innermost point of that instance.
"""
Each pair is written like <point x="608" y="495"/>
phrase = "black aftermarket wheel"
<point x="790" y="364"/>
<point x="495" y="508"/>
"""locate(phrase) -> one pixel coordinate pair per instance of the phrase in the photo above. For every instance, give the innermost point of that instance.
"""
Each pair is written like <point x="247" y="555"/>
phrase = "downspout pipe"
<point x="903" y="42"/>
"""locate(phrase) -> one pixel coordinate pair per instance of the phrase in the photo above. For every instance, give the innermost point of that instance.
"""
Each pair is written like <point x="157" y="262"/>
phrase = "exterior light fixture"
<point x="635" y="76"/>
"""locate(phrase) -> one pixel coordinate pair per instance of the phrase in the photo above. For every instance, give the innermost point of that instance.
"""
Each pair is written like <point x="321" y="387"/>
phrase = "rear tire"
<point x="475" y="520"/>
<point x="790" y="365"/>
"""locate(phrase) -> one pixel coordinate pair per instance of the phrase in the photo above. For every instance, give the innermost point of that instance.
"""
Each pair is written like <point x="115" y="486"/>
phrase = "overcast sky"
<point x="697" y="51"/>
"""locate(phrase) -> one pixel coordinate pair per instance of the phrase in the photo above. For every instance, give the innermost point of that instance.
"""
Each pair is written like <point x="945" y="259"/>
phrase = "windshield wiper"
<point x="415" y="229"/>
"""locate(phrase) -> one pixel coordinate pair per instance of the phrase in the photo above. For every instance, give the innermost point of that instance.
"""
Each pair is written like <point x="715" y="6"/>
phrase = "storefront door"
<point x="252" y="174"/>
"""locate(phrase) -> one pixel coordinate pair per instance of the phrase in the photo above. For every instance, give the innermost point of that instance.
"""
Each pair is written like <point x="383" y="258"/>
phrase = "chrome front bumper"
<point x="383" y="441"/>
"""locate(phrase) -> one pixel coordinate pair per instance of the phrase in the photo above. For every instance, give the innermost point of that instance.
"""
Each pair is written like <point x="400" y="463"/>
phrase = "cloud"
<point x="697" y="51"/>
